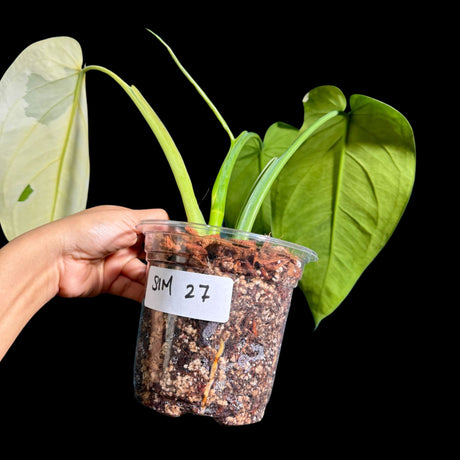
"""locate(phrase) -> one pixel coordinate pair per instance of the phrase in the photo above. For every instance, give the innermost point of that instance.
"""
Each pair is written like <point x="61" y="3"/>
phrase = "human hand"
<point x="86" y="254"/>
<point x="99" y="252"/>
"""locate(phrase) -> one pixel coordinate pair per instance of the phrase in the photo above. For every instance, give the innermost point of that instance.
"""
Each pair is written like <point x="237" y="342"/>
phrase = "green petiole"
<point x="167" y="144"/>
<point x="197" y="87"/>
<point x="220" y="188"/>
<point x="219" y="192"/>
<point x="263" y="183"/>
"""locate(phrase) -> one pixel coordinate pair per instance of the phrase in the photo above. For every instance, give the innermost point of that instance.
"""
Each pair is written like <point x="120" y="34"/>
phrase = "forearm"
<point x="28" y="279"/>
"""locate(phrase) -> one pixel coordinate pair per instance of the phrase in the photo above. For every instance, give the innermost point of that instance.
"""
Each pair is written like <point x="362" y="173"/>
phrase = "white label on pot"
<point x="190" y="294"/>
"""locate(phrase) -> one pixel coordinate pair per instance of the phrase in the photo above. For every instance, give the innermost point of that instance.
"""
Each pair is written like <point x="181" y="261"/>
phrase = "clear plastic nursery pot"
<point x="213" y="319"/>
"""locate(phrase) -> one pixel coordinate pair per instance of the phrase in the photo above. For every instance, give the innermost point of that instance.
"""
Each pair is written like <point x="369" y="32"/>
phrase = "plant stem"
<point x="197" y="87"/>
<point x="267" y="178"/>
<point x="166" y="142"/>
<point x="220" y="188"/>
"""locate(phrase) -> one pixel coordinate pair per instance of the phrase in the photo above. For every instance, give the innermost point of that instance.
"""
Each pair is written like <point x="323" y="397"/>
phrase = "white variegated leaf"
<point x="44" y="156"/>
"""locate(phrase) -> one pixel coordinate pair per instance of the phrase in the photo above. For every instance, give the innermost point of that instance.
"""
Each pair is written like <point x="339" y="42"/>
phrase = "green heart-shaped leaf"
<point x="344" y="191"/>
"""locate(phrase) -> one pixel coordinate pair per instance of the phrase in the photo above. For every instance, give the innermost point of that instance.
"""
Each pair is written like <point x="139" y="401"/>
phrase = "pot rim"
<point x="149" y="226"/>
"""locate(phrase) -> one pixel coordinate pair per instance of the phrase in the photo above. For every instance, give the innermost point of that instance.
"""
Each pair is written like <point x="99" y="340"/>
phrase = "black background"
<point x="356" y="383"/>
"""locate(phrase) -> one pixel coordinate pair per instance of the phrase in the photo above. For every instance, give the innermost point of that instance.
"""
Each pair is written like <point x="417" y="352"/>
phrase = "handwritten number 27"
<point x="191" y="289"/>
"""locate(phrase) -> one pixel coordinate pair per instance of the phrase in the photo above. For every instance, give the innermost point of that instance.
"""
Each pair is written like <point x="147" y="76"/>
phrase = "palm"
<point x="103" y="257"/>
